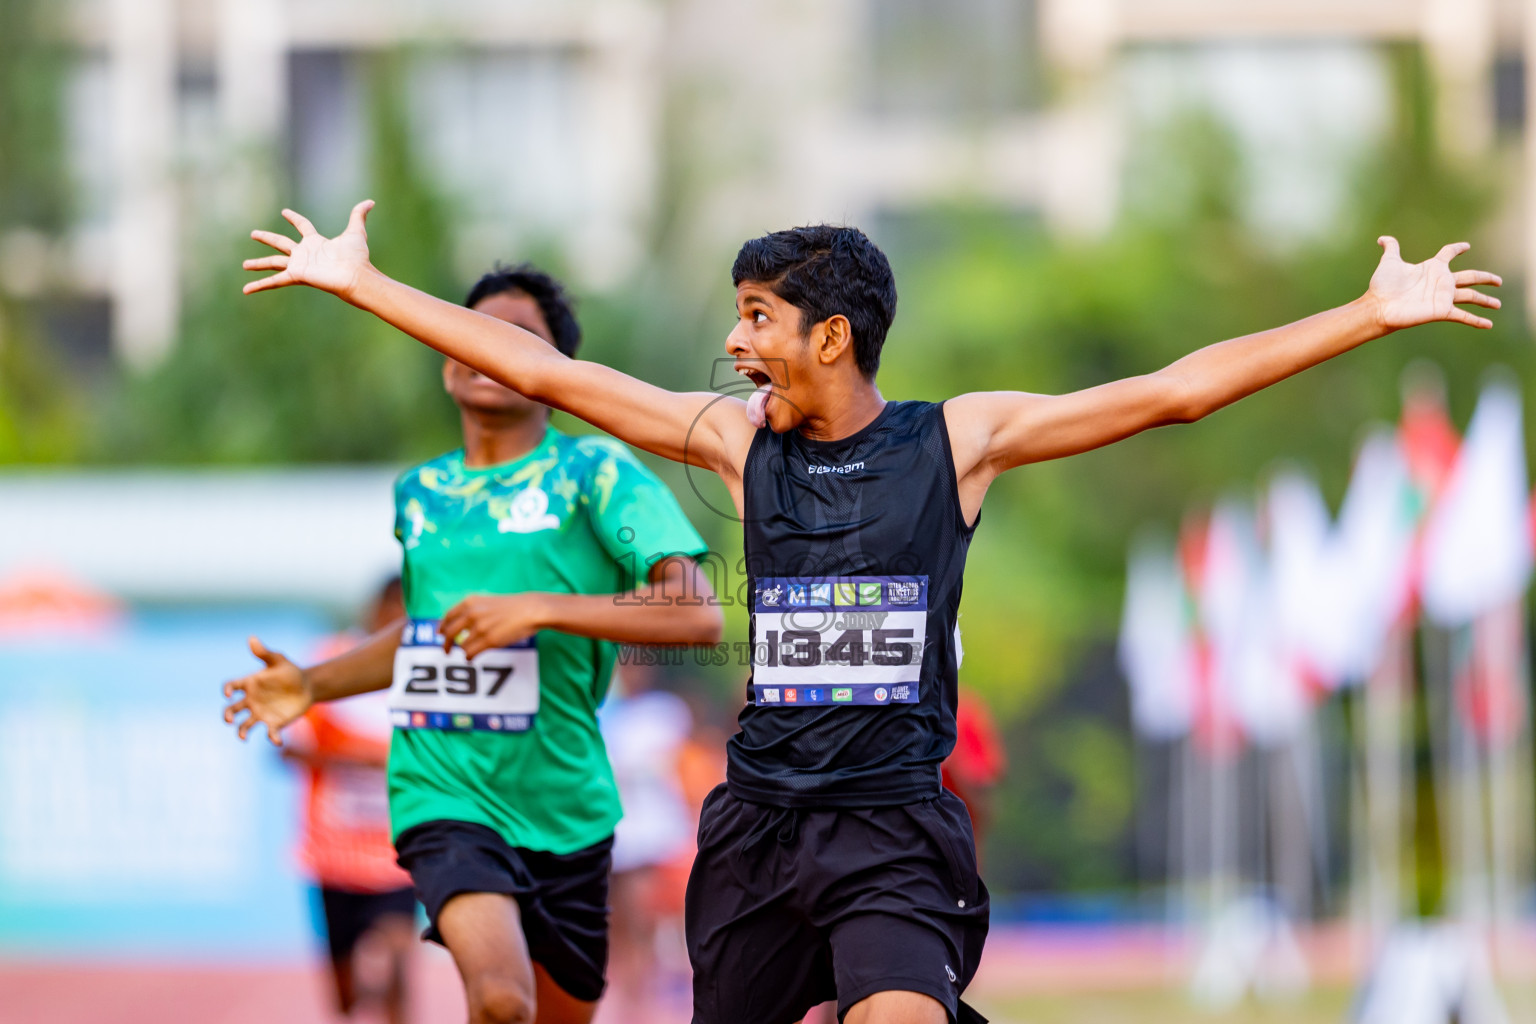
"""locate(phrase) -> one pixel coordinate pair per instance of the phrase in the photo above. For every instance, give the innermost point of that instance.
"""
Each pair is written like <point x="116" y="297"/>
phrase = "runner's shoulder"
<point x="598" y="456"/>
<point x="431" y="473"/>
<point x="598" y="446"/>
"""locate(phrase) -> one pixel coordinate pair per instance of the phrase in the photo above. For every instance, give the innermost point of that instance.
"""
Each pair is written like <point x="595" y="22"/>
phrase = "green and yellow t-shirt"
<point x="577" y="515"/>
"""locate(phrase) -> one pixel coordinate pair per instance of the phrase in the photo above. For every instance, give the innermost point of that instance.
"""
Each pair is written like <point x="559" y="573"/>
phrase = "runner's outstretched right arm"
<point x="279" y="693"/>
<point x="700" y="428"/>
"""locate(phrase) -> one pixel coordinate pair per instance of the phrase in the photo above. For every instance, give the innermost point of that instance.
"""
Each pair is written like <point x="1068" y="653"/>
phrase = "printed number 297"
<point x="458" y="680"/>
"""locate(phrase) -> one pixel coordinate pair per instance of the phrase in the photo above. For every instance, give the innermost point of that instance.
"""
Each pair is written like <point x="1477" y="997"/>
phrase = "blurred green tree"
<point x="40" y="421"/>
<point x="293" y="375"/>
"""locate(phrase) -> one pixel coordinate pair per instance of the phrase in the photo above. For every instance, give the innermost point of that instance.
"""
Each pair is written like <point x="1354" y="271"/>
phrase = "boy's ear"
<point x="836" y="337"/>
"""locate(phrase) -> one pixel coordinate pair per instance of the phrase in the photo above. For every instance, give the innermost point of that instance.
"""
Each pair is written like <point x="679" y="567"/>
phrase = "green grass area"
<point x="1162" y="1007"/>
<point x="1324" y="1006"/>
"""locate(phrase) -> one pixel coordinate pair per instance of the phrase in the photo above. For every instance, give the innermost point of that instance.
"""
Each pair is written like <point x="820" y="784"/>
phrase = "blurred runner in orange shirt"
<point x="363" y="893"/>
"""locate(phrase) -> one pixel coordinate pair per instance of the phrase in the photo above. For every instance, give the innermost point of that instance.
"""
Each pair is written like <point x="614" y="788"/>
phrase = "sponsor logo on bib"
<point x="850" y="594"/>
<point x="812" y="595"/>
<point x="881" y="696"/>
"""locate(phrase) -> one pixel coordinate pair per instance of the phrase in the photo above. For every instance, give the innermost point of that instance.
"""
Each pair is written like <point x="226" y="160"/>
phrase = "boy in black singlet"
<point x="831" y="863"/>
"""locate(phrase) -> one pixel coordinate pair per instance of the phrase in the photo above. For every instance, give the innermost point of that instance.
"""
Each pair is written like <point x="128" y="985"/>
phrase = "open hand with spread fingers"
<point x="330" y="264"/>
<point x="276" y="695"/>
<point x="1408" y="294"/>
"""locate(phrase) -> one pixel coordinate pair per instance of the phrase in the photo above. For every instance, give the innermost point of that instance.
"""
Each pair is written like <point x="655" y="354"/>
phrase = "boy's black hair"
<point x="542" y="289"/>
<point x="825" y="270"/>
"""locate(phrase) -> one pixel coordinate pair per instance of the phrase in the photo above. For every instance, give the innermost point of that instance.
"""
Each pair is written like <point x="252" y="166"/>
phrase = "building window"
<point x="328" y="128"/>
<point x="949" y="58"/>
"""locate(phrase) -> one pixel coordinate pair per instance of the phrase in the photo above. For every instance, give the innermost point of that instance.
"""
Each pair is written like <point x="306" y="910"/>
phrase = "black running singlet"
<point x="855" y="552"/>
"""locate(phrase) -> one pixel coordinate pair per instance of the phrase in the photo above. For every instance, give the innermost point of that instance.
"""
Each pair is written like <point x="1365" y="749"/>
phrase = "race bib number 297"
<point x="433" y="689"/>
<point x="838" y="640"/>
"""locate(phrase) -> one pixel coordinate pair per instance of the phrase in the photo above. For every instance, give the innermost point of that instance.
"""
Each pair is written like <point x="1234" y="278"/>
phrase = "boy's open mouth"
<point x="756" y="376"/>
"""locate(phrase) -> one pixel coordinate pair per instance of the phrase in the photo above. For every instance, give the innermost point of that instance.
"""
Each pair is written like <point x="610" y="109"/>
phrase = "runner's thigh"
<point x="484" y="933"/>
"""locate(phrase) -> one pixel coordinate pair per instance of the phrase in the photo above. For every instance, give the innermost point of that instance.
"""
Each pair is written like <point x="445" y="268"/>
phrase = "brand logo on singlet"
<point x="529" y="513"/>
<point x="852" y="467"/>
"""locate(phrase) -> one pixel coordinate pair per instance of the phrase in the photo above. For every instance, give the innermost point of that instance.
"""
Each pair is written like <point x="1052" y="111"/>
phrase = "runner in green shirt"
<point x="528" y="556"/>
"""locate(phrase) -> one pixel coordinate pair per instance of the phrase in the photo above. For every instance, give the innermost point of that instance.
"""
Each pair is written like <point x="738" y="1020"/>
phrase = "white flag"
<point x="1253" y="673"/>
<point x="1373" y="555"/>
<point x="1311" y="601"/>
<point x="1478" y="547"/>
<point x="1155" y="644"/>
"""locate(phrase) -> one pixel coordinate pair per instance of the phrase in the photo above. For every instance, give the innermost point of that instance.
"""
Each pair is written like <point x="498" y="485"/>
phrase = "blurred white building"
<point x="593" y="125"/>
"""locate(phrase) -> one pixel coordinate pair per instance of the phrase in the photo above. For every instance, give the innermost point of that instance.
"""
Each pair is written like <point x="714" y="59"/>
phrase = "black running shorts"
<point x="790" y="907"/>
<point x="349" y="915"/>
<point x="563" y="898"/>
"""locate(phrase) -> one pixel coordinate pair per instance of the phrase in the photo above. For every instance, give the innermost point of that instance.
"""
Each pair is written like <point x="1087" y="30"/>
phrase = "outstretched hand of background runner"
<point x="483" y="621"/>
<point x="329" y="264"/>
<point x="1407" y="294"/>
<point x="276" y="695"/>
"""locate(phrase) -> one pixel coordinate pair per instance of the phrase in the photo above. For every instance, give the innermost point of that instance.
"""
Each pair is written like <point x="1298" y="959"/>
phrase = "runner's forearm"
<point x="676" y="606"/>
<point x="683" y="427"/>
<point x="517" y="358"/>
<point x="366" y="667"/>
<point x="1220" y="374"/>
<point x="638" y="617"/>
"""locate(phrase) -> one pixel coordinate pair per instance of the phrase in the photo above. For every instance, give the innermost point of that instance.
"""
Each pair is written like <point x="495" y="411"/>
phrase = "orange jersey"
<point x="346" y="843"/>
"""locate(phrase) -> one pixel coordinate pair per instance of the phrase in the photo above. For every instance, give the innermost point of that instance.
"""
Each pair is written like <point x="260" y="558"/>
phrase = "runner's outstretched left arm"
<point x="994" y="431"/>
<point x="676" y="607"/>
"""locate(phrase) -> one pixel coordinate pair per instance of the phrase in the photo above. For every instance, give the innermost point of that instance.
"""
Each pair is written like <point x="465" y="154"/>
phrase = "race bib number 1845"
<point x="498" y="691"/>
<point x="838" y="640"/>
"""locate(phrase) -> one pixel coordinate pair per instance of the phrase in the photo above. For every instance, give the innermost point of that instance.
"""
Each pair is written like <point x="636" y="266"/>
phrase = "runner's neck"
<point x="491" y="439"/>
<point x="851" y="413"/>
